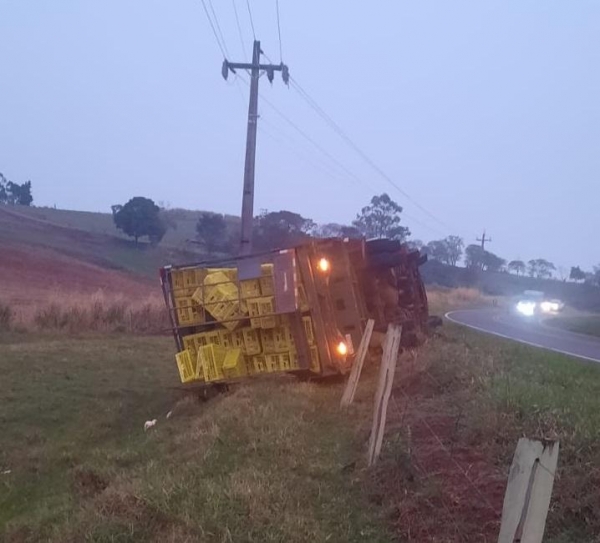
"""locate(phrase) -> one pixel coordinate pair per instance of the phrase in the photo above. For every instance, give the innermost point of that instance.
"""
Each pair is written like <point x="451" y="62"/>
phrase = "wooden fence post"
<point x="528" y="492"/>
<point x="387" y="371"/>
<point x="350" y="390"/>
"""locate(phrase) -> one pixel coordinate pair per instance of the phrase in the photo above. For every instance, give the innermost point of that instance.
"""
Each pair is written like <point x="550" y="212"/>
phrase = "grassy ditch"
<point x="273" y="460"/>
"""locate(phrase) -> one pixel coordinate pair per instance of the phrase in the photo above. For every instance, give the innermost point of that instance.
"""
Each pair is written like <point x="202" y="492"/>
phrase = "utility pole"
<point x="255" y="68"/>
<point x="483" y="240"/>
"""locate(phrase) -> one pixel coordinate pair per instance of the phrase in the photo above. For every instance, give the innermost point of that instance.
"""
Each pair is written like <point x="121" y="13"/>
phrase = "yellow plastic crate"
<point x="186" y="366"/>
<point x="283" y="339"/>
<point x="308" y="330"/>
<point x="187" y="313"/>
<point x="193" y="342"/>
<point x="231" y="340"/>
<point x="266" y="306"/>
<point x="259" y="364"/>
<point x="254" y="312"/>
<point x="252" y="342"/>
<point x="294" y="360"/>
<point x="285" y="361"/>
<point x="250" y="288"/>
<point x="267" y="340"/>
<point x="234" y="364"/>
<point x="210" y="362"/>
<point x="272" y="362"/>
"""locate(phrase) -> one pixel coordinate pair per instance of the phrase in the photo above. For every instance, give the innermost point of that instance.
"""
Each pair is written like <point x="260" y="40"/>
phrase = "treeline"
<point x="12" y="193"/>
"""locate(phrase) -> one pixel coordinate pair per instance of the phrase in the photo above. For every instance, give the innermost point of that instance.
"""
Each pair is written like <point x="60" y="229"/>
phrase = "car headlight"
<point x="526" y="308"/>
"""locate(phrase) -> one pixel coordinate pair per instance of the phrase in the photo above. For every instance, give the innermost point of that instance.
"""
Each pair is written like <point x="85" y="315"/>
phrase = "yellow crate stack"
<point x="233" y="349"/>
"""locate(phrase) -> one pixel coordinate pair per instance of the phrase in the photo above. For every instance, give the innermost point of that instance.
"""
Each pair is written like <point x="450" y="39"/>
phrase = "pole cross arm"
<point x="269" y="68"/>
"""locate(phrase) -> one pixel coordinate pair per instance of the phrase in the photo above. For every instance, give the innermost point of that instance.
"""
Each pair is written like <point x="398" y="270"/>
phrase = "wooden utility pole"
<point x="483" y="240"/>
<point x="255" y="68"/>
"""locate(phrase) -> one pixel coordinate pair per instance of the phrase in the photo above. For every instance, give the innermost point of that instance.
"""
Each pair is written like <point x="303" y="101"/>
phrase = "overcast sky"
<point x="487" y="113"/>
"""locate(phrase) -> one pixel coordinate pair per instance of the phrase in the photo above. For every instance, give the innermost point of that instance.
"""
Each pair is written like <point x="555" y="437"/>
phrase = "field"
<point x="275" y="459"/>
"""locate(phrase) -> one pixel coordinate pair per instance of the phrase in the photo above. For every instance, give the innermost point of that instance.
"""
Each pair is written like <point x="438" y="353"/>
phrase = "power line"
<point x="279" y="31"/>
<point x="239" y="27"/>
<point x="218" y="26"/>
<point x="213" y="29"/>
<point x="251" y="20"/>
<point x="336" y="128"/>
<point x="340" y="165"/>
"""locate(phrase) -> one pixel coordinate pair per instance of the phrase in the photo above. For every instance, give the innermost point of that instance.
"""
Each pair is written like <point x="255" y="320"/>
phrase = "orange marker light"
<point x="324" y="265"/>
<point x="342" y="348"/>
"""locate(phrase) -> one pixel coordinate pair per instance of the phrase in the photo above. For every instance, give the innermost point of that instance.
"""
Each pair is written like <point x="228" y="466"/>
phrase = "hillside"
<point x="49" y="253"/>
<point x="182" y="223"/>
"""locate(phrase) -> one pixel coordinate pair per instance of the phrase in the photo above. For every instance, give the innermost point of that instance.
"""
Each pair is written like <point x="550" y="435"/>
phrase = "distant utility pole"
<point x="483" y="240"/>
<point x="255" y="68"/>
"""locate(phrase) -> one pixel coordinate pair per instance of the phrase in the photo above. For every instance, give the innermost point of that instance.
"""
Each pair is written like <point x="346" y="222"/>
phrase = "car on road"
<point x="535" y="302"/>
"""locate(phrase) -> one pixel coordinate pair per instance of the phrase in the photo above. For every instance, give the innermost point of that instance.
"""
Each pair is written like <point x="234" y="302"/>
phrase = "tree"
<point x="455" y="246"/>
<point x="478" y="258"/>
<point x="577" y="274"/>
<point x="438" y="250"/>
<point x="474" y="256"/>
<point x="15" y="194"/>
<point x="540" y="268"/>
<point x="381" y="219"/>
<point x="138" y="218"/>
<point x="334" y="230"/>
<point x="211" y="230"/>
<point x="517" y="266"/>
<point x="280" y="230"/>
<point x="415" y="245"/>
<point x="492" y="262"/>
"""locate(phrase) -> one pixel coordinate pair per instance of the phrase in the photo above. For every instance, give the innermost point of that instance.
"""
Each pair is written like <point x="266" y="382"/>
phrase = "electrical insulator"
<point x="225" y="69"/>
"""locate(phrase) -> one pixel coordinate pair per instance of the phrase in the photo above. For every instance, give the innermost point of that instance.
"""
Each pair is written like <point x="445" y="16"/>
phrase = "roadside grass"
<point x="442" y="299"/>
<point x="588" y="324"/>
<point x="80" y="314"/>
<point x="499" y="391"/>
<point x="272" y="460"/>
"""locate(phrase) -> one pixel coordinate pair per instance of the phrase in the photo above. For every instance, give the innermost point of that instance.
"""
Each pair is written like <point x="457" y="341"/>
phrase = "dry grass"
<point x="75" y="314"/>
<point x="443" y="299"/>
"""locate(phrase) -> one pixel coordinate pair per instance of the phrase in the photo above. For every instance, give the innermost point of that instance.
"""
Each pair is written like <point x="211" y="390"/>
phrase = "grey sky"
<point x="487" y="113"/>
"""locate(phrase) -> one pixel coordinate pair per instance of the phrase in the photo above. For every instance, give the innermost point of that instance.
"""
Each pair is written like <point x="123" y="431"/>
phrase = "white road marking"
<point x="504" y="336"/>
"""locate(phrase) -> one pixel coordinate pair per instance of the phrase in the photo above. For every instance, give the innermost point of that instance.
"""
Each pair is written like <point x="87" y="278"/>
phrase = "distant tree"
<point x="517" y="266"/>
<point x="438" y="250"/>
<point x="211" y="231"/>
<point x="334" y="230"/>
<point x="455" y="246"/>
<point x="381" y="219"/>
<point x="492" y="262"/>
<point x="474" y="257"/>
<point x="415" y="244"/>
<point x="280" y="229"/>
<point x="478" y="258"/>
<point x="15" y="194"/>
<point x="577" y="274"/>
<point x="140" y="217"/>
<point x="116" y="208"/>
<point x="540" y="268"/>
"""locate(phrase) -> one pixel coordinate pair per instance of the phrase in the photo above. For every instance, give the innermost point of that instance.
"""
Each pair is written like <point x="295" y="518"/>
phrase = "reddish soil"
<point x="443" y="488"/>
<point x="33" y="274"/>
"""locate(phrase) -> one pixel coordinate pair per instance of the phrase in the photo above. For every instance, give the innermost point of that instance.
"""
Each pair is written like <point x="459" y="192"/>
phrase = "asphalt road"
<point x="529" y="331"/>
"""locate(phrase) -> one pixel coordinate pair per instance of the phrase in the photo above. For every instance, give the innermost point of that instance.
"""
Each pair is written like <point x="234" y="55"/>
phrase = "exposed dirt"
<point x="41" y="261"/>
<point x="434" y="483"/>
<point x="33" y="274"/>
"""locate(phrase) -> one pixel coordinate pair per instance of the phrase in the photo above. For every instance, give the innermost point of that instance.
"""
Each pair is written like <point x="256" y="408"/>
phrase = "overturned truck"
<point x="301" y="310"/>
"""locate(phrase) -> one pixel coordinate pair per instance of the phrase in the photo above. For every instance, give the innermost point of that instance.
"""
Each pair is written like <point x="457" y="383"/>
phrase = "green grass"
<point x="511" y="390"/>
<point x="265" y="462"/>
<point x="588" y="325"/>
